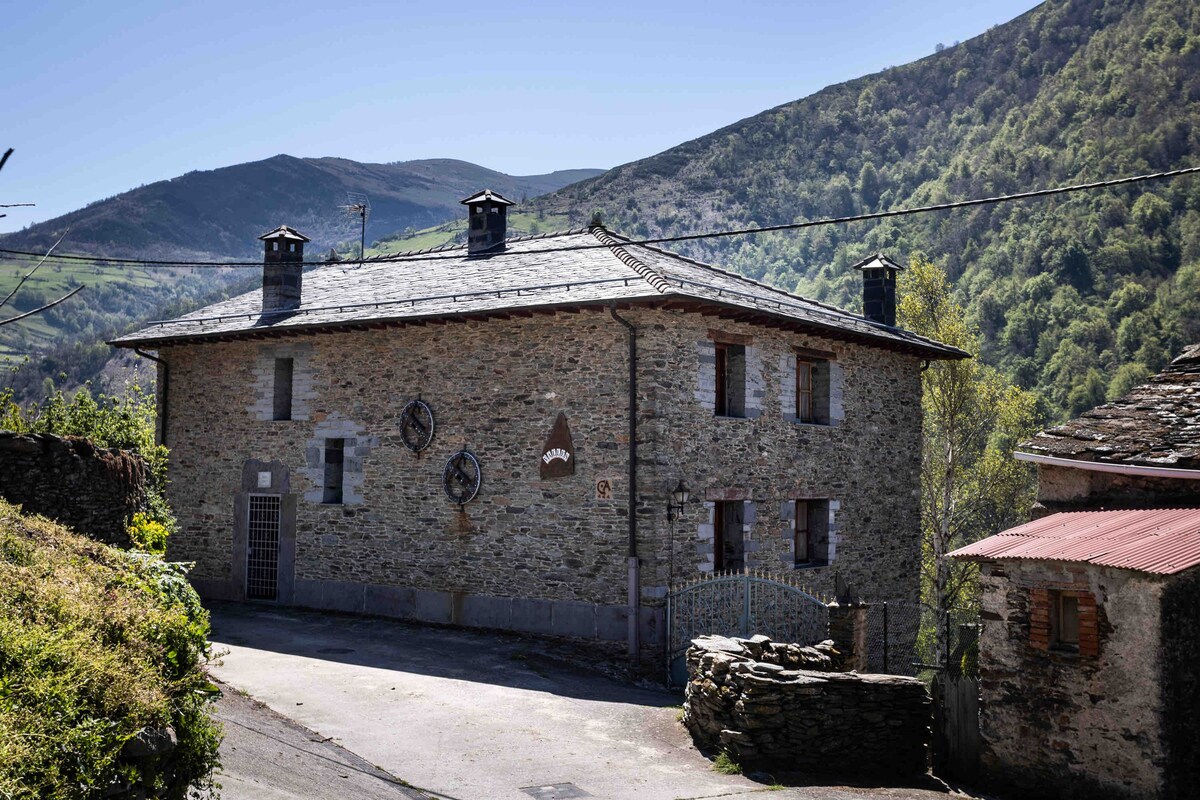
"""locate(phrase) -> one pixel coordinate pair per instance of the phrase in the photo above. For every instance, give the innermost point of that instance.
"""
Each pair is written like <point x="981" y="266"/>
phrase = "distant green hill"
<point x="215" y="215"/>
<point x="1076" y="296"/>
<point x="218" y="213"/>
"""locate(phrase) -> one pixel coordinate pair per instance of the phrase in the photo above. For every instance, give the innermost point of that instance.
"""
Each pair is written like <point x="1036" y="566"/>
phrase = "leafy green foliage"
<point x="96" y="645"/>
<point x="726" y="765"/>
<point x="148" y="535"/>
<point x="971" y="486"/>
<point x="1065" y="291"/>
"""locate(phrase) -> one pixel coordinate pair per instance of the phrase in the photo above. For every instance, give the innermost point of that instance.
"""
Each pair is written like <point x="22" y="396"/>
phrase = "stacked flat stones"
<point x="784" y="707"/>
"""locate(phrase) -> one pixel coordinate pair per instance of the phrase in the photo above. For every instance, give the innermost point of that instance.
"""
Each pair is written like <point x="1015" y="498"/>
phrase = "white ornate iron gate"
<point x="741" y="604"/>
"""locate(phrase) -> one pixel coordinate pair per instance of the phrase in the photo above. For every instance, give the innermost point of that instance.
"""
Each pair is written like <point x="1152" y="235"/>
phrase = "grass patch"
<point x="725" y="764"/>
<point x="97" y="645"/>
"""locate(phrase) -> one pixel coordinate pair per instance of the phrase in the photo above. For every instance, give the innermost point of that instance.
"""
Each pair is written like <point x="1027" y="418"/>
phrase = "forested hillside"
<point x="1078" y="296"/>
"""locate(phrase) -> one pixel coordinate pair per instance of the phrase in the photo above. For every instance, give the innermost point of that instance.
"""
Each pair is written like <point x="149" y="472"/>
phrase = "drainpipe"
<point x="635" y="595"/>
<point x="166" y="385"/>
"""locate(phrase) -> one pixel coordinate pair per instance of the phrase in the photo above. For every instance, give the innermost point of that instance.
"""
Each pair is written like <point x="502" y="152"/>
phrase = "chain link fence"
<point x="902" y="639"/>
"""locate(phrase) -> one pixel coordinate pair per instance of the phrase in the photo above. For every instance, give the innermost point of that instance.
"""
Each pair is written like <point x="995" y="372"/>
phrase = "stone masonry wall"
<point x="1065" y="724"/>
<point x="531" y="554"/>
<point x="1181" y="683"/>
<point x="782" y="707"/>
<point x="94" y="491"/>
<point x="1068" y="489"/>
<point x="867" y="463"/>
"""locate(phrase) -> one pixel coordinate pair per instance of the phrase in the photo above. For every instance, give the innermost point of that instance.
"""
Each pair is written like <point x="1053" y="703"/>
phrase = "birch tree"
<point x="971" y="486"/>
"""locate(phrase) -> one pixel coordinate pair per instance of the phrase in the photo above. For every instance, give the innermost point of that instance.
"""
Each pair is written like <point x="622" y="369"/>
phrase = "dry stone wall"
<point x="92" y="490"/>
<point x="781" y="707"/>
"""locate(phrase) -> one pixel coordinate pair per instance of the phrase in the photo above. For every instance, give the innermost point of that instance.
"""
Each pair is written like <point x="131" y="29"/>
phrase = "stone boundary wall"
<point x="783" y="707"/>
<point x="92" y="490"/>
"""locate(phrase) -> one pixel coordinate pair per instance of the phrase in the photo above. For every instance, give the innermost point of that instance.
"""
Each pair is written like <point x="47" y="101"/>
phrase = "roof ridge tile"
<point x="651" y="275"/>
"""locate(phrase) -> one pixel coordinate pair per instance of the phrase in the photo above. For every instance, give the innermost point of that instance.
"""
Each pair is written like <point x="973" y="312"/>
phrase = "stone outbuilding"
<point x="1090" y="651"/>
<point x="501" y="434"/>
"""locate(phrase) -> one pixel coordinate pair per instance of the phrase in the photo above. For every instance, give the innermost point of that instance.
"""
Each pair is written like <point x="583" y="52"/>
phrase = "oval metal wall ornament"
<point x="416" y="425"/>
<point x="461" y="477"/>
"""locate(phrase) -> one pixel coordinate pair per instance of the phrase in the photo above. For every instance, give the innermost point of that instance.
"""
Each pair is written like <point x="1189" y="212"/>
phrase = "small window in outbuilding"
<point x="729" y="547"/>
<point x="731" y="379"/>
<point x="335" y="451"/>
<point x="284" y="368"/>
<point x="1064" y="620"/>
<point x="812" y="533"/>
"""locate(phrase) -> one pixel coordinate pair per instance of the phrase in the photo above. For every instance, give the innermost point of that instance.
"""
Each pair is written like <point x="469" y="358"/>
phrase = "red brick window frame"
<point x="1064" y="620"/>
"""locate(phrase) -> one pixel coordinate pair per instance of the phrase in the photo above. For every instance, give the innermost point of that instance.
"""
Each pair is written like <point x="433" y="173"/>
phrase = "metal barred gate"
<point x="741" y="604"/>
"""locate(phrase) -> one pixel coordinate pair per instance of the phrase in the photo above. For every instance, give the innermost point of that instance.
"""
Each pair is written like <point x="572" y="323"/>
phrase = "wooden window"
<point x="284" y="368"/>
<point x="729" y="551"/>
<point x="814" y="384"/>
<point x="335" y="451"/>
<point x="804" y="390"/>
<point x="730" y="379"/>
<point x="811" y="533"/>
<point x="1064" y="620"/>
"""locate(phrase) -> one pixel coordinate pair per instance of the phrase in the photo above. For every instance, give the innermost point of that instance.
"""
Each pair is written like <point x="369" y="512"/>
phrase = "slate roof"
<point x="1157" y="424"/>
<point x="1160" y="541"/>
<point x="563" y="270"/>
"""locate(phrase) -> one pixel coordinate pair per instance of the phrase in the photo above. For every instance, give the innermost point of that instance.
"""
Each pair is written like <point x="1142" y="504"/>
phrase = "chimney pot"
<point x="283" y="268"/>
<point x="879" y="288"/>
<point x="487" y="216"/>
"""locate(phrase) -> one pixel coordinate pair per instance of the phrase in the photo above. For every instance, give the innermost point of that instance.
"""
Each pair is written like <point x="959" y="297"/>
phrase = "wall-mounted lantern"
<point x="679" y="498"/>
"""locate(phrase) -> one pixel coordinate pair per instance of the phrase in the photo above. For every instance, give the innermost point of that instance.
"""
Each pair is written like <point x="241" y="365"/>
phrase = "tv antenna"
<point x="357" y="203"/>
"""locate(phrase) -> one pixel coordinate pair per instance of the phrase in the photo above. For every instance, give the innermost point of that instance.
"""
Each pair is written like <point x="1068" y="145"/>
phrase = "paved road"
<point x="266" y="756"/>
<point x="475" y="716"/>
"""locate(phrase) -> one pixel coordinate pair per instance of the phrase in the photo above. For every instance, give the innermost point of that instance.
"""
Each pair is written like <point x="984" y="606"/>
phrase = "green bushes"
<point x="98" y="648"/>
<point x="148" y="535"/>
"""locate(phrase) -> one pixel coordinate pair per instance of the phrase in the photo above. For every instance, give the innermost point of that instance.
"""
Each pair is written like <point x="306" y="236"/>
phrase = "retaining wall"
<point x="92" y="490"/>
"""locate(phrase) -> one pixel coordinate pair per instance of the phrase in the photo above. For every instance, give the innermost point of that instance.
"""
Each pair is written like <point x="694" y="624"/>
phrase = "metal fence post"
<point x="746" y="605"/>
<point x="885" y="638"/>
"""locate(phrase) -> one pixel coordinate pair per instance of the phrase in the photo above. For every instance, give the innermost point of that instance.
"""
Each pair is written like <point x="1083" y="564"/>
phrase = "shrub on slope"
<point x="102" y="691"/>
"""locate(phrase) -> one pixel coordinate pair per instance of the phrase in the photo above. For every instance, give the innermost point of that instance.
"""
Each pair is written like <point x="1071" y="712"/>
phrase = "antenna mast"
<point x="357" y="203"/>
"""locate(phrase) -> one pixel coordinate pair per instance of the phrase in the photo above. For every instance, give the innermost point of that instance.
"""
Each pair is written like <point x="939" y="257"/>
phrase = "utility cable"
<point x="687" y="237"/>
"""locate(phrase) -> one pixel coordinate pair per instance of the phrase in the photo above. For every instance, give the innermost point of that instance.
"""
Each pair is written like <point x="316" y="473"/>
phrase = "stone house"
<point x="490" y="435"/>
<point x="1090" y="651"/>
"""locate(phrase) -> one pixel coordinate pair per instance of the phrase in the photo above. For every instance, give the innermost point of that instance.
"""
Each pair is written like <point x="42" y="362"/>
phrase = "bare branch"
<point x="4" y="158"/>
<point x="43" y="308"/>
<point x="21" y="282"/>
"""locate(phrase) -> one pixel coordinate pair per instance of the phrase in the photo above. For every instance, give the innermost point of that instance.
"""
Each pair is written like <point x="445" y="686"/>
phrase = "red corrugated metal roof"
<point x="1158" y="540"/>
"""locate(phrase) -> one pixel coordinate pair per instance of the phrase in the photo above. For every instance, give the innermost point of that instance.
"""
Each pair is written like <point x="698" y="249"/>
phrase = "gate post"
<point x="848" y="629"/>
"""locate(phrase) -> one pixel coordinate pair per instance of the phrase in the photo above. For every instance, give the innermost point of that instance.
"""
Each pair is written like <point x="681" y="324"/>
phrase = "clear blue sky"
<point x="100" y="97"/>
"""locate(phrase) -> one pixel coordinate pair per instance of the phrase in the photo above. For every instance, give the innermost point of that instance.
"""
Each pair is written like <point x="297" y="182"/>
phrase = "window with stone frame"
<point x="730" y="379"/>
<point x="729" y="547"/>
<point x="284" y="371"/>
<point x="811" y="532"/>
<point x="813" y="387"/>
<point x="335" y="453"/>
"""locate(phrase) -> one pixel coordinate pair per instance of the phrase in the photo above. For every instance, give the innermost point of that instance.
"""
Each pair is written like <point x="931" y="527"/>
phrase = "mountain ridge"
<point x="217" y="213"/>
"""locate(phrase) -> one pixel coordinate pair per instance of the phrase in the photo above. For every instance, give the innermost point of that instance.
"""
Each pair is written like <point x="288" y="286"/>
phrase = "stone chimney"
<point x="879" y="288"/>
<point x="487" y="213"/>
<point x="283" y="268"/>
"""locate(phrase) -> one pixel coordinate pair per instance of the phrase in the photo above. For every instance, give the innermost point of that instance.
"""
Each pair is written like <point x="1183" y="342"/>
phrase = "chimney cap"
<point x="488" y="196"/>
<point x="285" y="232"/>
<point x="878" y="261"/>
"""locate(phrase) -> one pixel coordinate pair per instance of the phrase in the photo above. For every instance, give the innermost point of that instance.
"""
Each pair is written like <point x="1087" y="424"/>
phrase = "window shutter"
<point x="1089" y="634"/>
<point x="1039" y="619"/>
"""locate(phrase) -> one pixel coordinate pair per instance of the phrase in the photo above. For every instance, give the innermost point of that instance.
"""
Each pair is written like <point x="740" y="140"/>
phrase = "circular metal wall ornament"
<point x="416" y="425"/>
<point x="461" y="477"/>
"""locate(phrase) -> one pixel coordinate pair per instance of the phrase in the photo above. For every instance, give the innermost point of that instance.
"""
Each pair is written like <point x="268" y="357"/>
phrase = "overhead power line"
<point x="686" y="237"/>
